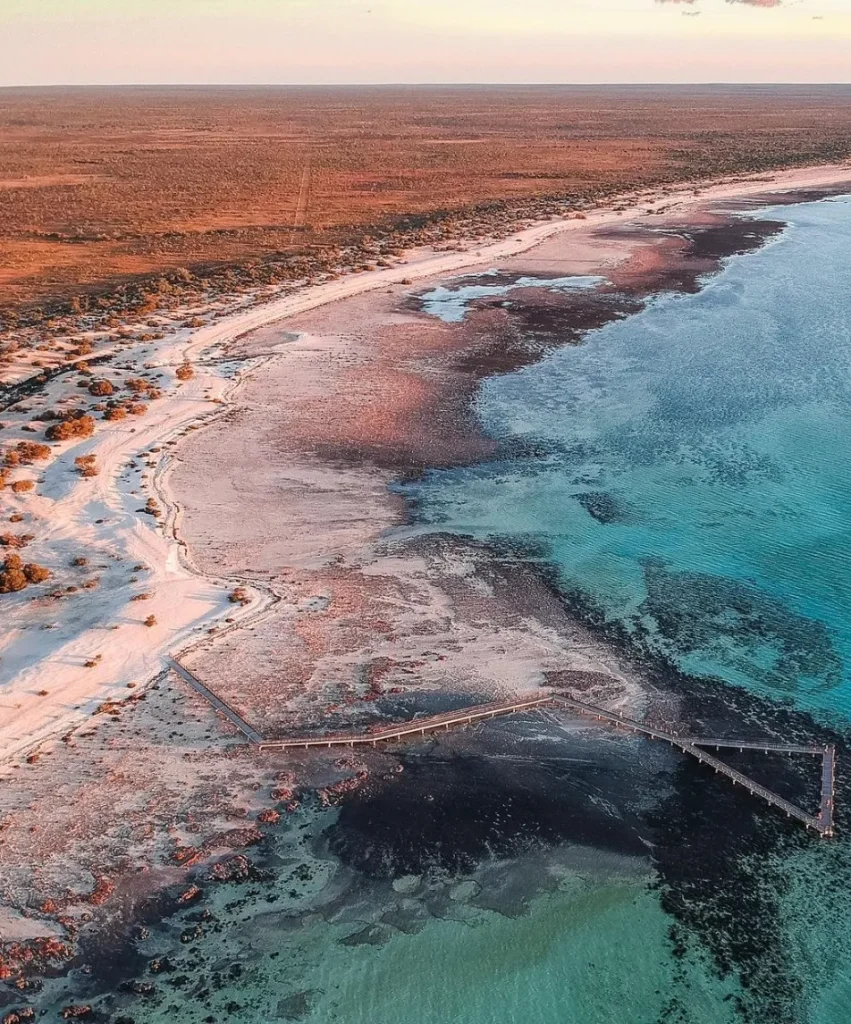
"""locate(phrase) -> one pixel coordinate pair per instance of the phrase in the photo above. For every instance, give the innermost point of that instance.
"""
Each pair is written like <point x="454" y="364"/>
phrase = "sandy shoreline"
<point x="354" y="614"/>
<point x="180" y="595"/>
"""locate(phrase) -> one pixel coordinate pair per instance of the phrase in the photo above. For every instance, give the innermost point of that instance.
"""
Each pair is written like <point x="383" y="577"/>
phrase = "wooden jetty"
<point x="225" y="710"/>
<point x="694" y="746"/>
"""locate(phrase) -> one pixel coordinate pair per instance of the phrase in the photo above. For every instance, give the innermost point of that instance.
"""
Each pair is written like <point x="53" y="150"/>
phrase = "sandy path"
<point x="47" y="642"/>
<point x="45" y="648"/>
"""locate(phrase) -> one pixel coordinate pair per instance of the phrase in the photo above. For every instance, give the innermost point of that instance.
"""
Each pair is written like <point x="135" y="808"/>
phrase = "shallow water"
<point x="694" y="468"/>
<point x="692" y="481"/>
<point x="690" y="476"/>
<point x="450" y="302"/>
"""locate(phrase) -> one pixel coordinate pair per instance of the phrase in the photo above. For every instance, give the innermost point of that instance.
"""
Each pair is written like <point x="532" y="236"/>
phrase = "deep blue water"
<point x="696" y="475"/>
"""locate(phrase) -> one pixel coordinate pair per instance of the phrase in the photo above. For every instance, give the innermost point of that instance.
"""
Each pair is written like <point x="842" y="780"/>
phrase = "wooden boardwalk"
<point x="828" y="788"/>
<point x="225" y="710"/>
<point x="694" y="746"/>
<point x="416" y="727"/>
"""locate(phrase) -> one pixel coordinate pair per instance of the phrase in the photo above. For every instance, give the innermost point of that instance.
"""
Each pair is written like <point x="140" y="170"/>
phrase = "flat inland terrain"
<point x="99" y="186"/>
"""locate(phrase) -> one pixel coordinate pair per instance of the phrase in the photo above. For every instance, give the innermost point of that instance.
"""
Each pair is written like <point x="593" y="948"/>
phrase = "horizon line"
<point x="429" y="85"/>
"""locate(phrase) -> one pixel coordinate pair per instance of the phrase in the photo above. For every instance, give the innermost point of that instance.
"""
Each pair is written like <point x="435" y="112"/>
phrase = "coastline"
<point x="77" y="694"/>
<point x="312" y="509"/>
<point x="310" y="517"/>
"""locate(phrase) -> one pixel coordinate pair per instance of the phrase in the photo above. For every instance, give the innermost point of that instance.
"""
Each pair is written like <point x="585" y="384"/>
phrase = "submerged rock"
<point x="296" y="1006"/>
<point x="407" y="883"/>
<point x="371" y="935"/>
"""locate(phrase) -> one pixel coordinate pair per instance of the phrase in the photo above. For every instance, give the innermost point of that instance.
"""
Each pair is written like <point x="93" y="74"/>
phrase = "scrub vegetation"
<point x="162" y="191"/>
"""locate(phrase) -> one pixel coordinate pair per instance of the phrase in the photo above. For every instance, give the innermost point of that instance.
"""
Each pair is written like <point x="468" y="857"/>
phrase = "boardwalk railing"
<point x="416" y="727"/>
<point x="691" y="745"/>
<point x="250" y="733"/>
<point x="822" y="822"/>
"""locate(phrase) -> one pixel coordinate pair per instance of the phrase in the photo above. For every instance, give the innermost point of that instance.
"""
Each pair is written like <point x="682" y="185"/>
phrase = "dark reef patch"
<point x="736" y="237"/>
<point x="537" y="322"/>
<point x="721" y="858"/>
<point x="701" y="252"/>
<point x="296" y="1007"/>
<point x="721" y="877"/>
<point x="698" y="613"/>
<point x="603" y="507"/>
<point x="454" y="813"/>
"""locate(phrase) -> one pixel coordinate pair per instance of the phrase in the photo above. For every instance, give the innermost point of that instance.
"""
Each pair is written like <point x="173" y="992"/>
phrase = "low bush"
<point x="15" y="540"/>
<point x="36" y="573"/>
<point x="15" y="574"/>
<point x="86" y="465"/>
<point x="12" y="580"/>
<point x="26" y="452"/>
<point x="76" y="425"/>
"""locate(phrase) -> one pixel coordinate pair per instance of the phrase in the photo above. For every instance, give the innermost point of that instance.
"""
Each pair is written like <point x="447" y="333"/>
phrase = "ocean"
<point x="693" y="476"/>
<point x="691" y="482"/>
<point x="685" y="482"/>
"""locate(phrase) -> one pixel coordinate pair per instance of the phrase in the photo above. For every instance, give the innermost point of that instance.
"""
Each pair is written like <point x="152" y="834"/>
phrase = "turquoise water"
<point x="691" y="479"/>
<point x="696" y="481"/>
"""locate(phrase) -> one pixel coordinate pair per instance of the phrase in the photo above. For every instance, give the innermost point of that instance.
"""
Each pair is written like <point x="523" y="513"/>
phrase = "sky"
<point x="55" y="42"/>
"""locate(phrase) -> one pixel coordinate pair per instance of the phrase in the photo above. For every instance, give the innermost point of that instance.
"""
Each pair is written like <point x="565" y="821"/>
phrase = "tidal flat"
<point x="632" y="490"/>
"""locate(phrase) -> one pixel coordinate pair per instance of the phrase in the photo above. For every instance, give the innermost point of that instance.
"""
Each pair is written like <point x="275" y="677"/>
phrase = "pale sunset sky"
<point x="46" y="42"/>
